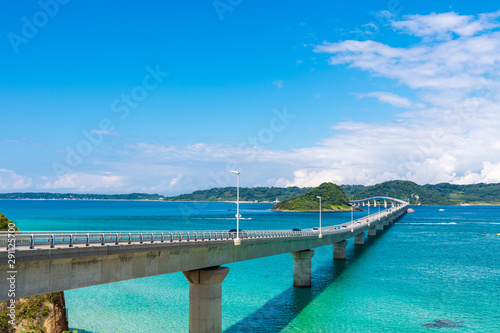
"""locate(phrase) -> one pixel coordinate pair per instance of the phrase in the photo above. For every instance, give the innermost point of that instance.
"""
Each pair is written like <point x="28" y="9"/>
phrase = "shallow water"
<point x="428" y="266"/>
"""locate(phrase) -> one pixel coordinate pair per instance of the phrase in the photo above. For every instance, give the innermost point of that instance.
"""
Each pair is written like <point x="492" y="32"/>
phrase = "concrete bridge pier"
<point x="339" y="250"/>
<point x="359" y="239"/>
<point x="372" y="232"/>
<point x="302" y="268"/>
<point x="380" y="226"/>
<point x="205" y="299"/>
<point x="386" y="222"/>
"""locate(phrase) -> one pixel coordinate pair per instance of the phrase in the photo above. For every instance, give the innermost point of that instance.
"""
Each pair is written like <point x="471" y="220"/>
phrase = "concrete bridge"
<point x="48" y="262"/>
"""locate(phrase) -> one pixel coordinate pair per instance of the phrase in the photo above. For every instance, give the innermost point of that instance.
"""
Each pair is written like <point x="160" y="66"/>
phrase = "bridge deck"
<point x="61" y="265"/>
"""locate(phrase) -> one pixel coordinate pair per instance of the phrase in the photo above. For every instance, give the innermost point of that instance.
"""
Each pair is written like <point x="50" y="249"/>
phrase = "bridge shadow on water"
<point x="278" y="312"/>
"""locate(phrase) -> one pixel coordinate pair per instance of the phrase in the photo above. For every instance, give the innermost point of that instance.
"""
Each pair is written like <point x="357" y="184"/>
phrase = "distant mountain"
<point x="439" y="194"/>
<point x="79" y="196"/>
<point x="402" y="189"/>
<point x="332" y="196"/>
<point x="261" y="194"/>
<point x="472" y="194"/>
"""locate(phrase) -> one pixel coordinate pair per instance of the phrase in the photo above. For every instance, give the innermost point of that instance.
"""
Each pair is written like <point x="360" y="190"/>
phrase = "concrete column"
<point x="205" y="298"/>
<point x="372" y="231"/>
<point x="359" y="239"/>
<point x="339" y="250"/>
<point x="380" y="226"/>
<point x="386" y="222"/>
<point x="302" y="268"/>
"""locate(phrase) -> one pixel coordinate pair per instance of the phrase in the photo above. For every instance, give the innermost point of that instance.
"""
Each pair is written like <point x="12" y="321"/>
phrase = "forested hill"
<point x="440" y="194"/>
<point x="79" y="196"/>
<point x="261" y="194"/>
<point x="333" y="198"/>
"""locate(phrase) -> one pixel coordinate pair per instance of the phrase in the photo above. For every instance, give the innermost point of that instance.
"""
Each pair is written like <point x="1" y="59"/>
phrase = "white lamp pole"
<point x="237" y="173"/>
<point x="320" y="234"/>
<point x="352" y="214"/>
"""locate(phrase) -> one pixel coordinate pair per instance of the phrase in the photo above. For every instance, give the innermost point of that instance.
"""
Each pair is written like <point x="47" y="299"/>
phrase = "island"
<point x="333" y="199"/>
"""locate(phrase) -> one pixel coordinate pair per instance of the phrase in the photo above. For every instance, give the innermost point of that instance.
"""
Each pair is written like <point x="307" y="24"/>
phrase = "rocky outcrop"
<point x="43" y="313"/>
<point x="40" y="314"/>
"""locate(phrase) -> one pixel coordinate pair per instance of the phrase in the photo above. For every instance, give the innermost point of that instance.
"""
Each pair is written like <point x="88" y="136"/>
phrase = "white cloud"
<point x="103" y="132"/>
<point x="278" y="83"/>
<point x="455" y="139"/>
<point x="84" y="182"/>
<point x="9" y="180"/>
<point x="164" y="186"/>
<point x="489" y="174"/>
<point x="393" y="99"/>
<point x="442" y="26"/>
<point x="448" y="134"/>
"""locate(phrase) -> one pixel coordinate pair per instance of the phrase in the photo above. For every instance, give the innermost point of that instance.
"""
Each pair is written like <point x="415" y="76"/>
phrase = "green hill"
<point x="78" y="196"/>
<point x="332" y="196"/>
<point x="246" y="194"/>
<point x="401" y="189"/>
<point x="472" y="194"/>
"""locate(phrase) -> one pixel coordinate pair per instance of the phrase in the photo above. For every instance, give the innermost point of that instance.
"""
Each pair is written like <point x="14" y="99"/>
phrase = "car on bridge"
<point x="296" y="229"/>
<point x="315" y="229"/>
<point x="232" y="232"/>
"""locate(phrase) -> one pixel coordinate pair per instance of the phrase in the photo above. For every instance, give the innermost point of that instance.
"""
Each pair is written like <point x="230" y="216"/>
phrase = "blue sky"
<point x="167" y="97"/>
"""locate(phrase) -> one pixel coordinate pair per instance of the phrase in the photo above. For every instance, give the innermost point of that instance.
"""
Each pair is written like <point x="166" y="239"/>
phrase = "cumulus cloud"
<point x="452" y="138"/>
<point x="393" y="99"/>
<point x="442" y="26"/>
<point x="448" y="132"/>
<point x="9" y="180"/>
<point x="85" y="182"/>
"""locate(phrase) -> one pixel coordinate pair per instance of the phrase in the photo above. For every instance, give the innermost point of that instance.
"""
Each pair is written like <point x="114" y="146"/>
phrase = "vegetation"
<point x="440" y="194"/>
<point x="76" y="196"/>
<point x="260" y="194"/>
<point x="4" y="223"/>
<point x="332" y="196"/>
<point x="31" y="311"/>
<point x="400" y="189"/>
<point x="472" y="194"/>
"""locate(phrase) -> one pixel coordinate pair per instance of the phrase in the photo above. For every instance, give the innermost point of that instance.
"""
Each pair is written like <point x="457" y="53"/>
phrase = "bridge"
<point x="47" y="262"/>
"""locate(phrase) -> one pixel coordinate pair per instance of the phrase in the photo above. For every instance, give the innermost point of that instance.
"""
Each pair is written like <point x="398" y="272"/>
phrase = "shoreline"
<point x="245" y="202"/>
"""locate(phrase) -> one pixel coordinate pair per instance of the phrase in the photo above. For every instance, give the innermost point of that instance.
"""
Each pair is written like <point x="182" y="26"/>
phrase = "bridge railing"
<point x="51" y="239"/>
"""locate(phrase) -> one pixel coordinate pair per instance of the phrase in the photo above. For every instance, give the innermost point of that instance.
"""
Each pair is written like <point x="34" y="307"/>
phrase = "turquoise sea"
<point x="430" y="265"/>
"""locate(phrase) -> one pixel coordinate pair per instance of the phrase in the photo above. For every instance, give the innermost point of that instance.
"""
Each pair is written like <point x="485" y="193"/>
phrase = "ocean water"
<point x="430" y="265"/>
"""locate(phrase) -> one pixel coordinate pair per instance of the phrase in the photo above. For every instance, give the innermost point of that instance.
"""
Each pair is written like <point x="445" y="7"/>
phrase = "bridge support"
<point x="372" y="232"/>
<point x="386" y="222"/>
<point x="380" y="226"/>
<point x="359" y="239"/>
<point x="302" y="268"/>
<point x="339" y="250"/>
<point x="205" y="298"/>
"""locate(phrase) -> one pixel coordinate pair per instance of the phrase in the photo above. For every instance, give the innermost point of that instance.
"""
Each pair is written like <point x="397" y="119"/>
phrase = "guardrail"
<point x="33" y="239"/>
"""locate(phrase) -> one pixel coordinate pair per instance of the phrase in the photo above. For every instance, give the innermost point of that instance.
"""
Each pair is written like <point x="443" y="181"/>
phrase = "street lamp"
<point x="237" y="241"/>
<point x="320" y="234"/>
<point x="352" y="218"/>
<point x="368" y="208"/>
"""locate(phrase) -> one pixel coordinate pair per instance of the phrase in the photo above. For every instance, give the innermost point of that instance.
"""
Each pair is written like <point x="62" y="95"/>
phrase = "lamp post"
<point x="352" y="218"/>
<point x="368" y="208"/>
<point x="320" y="234"/>
<point x="237" y="241"/>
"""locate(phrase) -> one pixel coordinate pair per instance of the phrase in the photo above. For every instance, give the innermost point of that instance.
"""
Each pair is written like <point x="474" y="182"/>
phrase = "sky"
<point x="168" y="97"/>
